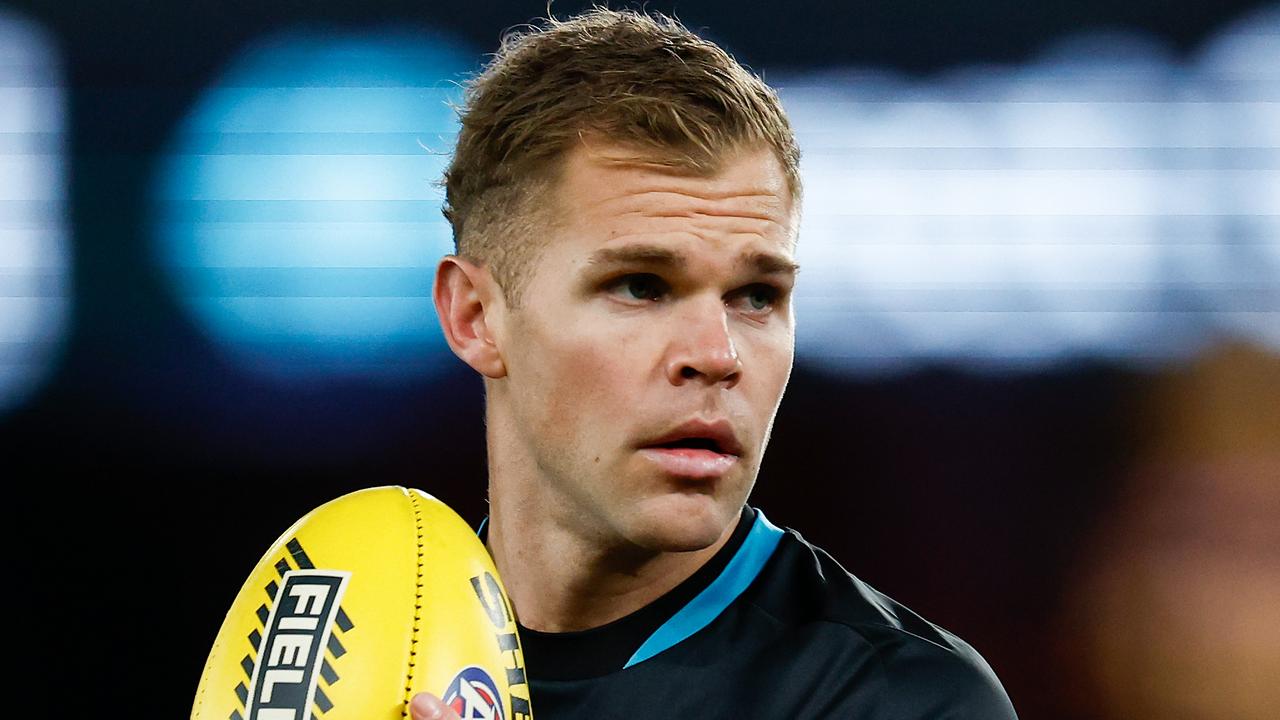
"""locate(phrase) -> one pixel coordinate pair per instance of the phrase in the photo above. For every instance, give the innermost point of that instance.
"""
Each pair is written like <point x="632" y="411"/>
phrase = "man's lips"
<point x="690" y="462"/>
<point x="716" y="435"/>
<point x="695" y="449"/>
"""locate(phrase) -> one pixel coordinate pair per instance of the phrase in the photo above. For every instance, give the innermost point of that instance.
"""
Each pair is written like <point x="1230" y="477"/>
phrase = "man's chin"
<point x="679" y="522"/>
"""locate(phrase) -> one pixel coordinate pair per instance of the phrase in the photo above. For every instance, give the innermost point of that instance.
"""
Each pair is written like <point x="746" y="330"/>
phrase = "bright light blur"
<point x="298" y="215"/>
<point x="1106" y="200"/>
<point x="34" y="256"/>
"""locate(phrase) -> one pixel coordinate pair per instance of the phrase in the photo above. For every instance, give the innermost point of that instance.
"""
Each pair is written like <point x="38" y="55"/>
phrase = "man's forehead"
<point x="601" y="174"/>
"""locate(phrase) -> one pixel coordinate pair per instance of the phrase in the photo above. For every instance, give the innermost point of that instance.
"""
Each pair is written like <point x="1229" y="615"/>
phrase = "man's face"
<point x="652" y="345"/>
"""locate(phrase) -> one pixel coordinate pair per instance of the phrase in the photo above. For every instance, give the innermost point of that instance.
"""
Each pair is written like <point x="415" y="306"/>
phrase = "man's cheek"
<point x="579" y="389"/>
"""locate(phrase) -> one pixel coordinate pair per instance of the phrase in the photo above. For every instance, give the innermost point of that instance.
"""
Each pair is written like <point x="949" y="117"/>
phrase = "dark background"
<point x="142" y="500"/>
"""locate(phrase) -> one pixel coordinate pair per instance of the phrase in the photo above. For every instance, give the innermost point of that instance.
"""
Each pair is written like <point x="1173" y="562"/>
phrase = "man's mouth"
<point x="695" y="450"/>
<point x="694" y="443"/>
<point x="690" y="462"/>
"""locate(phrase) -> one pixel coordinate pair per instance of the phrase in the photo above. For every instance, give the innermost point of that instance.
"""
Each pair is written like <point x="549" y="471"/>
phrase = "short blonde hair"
<point x="637" y="79"/>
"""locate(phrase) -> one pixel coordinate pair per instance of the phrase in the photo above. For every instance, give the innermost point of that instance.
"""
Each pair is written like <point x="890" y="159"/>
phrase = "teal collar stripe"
<point x="746" y="564"/>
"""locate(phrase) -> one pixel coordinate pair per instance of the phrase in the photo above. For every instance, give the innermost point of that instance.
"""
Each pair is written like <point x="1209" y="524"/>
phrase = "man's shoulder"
<point x="901" y="664"/>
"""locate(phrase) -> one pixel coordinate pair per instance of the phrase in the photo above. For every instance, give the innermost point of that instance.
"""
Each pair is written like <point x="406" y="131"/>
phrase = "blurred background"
<point x="1036" y="397"/>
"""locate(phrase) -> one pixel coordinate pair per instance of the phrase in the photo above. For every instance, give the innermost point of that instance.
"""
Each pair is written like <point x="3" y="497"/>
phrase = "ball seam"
<point x="204" y="684"/>
<point x="417" y="606"/>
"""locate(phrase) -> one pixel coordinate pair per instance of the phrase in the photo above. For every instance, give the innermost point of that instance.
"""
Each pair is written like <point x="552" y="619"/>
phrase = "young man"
<point x="625" y="201"/>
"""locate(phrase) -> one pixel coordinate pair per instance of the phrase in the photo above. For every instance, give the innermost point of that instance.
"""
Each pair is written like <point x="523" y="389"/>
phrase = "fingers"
<point x="426" y="706"/>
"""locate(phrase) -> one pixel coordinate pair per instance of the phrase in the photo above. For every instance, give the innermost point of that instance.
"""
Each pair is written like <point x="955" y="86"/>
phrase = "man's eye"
<point x="640" y="287"/>
<point x="760" y="297"/>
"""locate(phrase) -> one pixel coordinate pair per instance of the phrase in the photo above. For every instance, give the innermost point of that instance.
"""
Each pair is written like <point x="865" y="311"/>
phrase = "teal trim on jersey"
<point x="480" y="530"/>
<point x="746" y="564"/>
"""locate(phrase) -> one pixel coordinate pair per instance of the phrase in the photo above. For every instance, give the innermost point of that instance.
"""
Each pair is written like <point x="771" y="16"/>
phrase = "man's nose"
<point x="702" y="347"/>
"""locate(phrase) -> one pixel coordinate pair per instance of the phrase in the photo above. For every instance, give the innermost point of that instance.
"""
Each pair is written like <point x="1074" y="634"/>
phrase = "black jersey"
<point x="770" y="627"/>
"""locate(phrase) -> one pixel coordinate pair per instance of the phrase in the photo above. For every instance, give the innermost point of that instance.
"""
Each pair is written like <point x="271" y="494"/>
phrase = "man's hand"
<point x="426" y="706"/>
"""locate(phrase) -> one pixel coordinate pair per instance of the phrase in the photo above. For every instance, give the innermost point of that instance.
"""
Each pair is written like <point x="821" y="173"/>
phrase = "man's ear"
<point x="467" y="301"/>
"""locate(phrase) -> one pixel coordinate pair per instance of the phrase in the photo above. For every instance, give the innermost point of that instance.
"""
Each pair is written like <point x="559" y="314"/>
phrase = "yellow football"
<point x="364" y="602"/>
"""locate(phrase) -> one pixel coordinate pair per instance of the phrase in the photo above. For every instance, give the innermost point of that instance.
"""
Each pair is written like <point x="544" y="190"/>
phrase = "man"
<point x="625" y="201"/>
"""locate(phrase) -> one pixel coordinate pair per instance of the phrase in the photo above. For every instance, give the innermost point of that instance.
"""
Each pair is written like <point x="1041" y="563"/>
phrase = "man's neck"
<point x="562" y="582"/>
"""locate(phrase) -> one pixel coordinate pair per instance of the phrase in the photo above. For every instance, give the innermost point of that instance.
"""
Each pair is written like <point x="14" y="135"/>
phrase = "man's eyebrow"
<point x="769" y="264"/>
<point x="637" y="254"/>
<point x="762" y="262"/>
